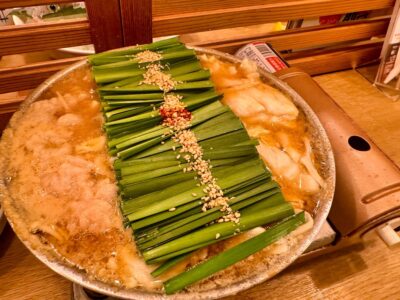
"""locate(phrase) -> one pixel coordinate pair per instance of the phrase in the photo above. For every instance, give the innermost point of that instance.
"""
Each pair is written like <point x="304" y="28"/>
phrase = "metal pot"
<point x="322" y="150"/>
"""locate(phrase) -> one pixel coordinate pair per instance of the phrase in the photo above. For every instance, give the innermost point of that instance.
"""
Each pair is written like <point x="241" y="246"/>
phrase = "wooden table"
<point x="366" y="271"/>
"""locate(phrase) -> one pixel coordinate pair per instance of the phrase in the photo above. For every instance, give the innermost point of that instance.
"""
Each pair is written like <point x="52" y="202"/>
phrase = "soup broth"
<point x="65" y="194"/>
<point x="64" y="187"/>
<point x="274" y="120"/>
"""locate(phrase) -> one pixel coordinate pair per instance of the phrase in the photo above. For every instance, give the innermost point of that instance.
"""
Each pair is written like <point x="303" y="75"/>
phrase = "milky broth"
<point x="63" y="184"/>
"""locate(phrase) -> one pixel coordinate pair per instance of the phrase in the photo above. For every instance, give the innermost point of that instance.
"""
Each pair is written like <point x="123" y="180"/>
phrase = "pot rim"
<point x="320" y="213"/>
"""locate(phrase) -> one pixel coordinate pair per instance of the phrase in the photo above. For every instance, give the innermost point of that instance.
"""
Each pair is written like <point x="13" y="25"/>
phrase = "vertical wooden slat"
<point x="136" y="18"/>
<point x="105" y="24"/>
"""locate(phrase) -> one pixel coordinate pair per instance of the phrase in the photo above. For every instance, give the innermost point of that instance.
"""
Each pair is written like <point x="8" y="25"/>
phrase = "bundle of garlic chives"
<point x="189" y="175"/>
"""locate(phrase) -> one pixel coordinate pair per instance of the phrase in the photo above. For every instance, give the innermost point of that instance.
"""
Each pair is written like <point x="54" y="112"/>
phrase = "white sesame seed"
<point x="147" y="56"/>
<point x="191" y="151"/>
<point x="154" y="76"/>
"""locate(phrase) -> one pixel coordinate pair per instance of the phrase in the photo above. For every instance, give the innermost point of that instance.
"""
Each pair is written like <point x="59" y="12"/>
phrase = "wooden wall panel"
<point x="307" y="37"/>
<point x="38" y="37"/>
<point x="171" y="7"/>
<point x="115" y="23"/>
<point x="337" y="60"/>
<point x="11" y="104"/>
<point x="211" y="19"/>
<point x="30" y="76"/>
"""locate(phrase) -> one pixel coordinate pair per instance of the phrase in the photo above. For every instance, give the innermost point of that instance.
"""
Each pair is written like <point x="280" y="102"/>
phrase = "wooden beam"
<point x="11" y="104"/>
<point x="337" y="60"/>
<point x="21" y="3"/>
<point x="38" y="37"/>
<point x="105" y="24"/>
<point x="212" y="19"/>
<point x="308" y="37"/>
<point x="136" y="21"/>
<point x="30" y="76"/>
<point x="171" y="7"/>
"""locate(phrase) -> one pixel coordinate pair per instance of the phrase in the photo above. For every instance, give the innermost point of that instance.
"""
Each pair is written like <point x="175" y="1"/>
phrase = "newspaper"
<point x="264" y="55"/>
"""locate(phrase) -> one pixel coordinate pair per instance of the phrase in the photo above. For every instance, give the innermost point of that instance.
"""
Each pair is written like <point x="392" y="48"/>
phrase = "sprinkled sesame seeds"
<point x="147" y="56"/>
<point x="178" y="119"/>
<point x="154" y="76"/>
<point x="214" y="196"/>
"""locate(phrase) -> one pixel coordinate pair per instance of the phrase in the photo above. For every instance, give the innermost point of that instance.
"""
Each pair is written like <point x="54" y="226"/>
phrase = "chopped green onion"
<point x="233" y="255"/>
